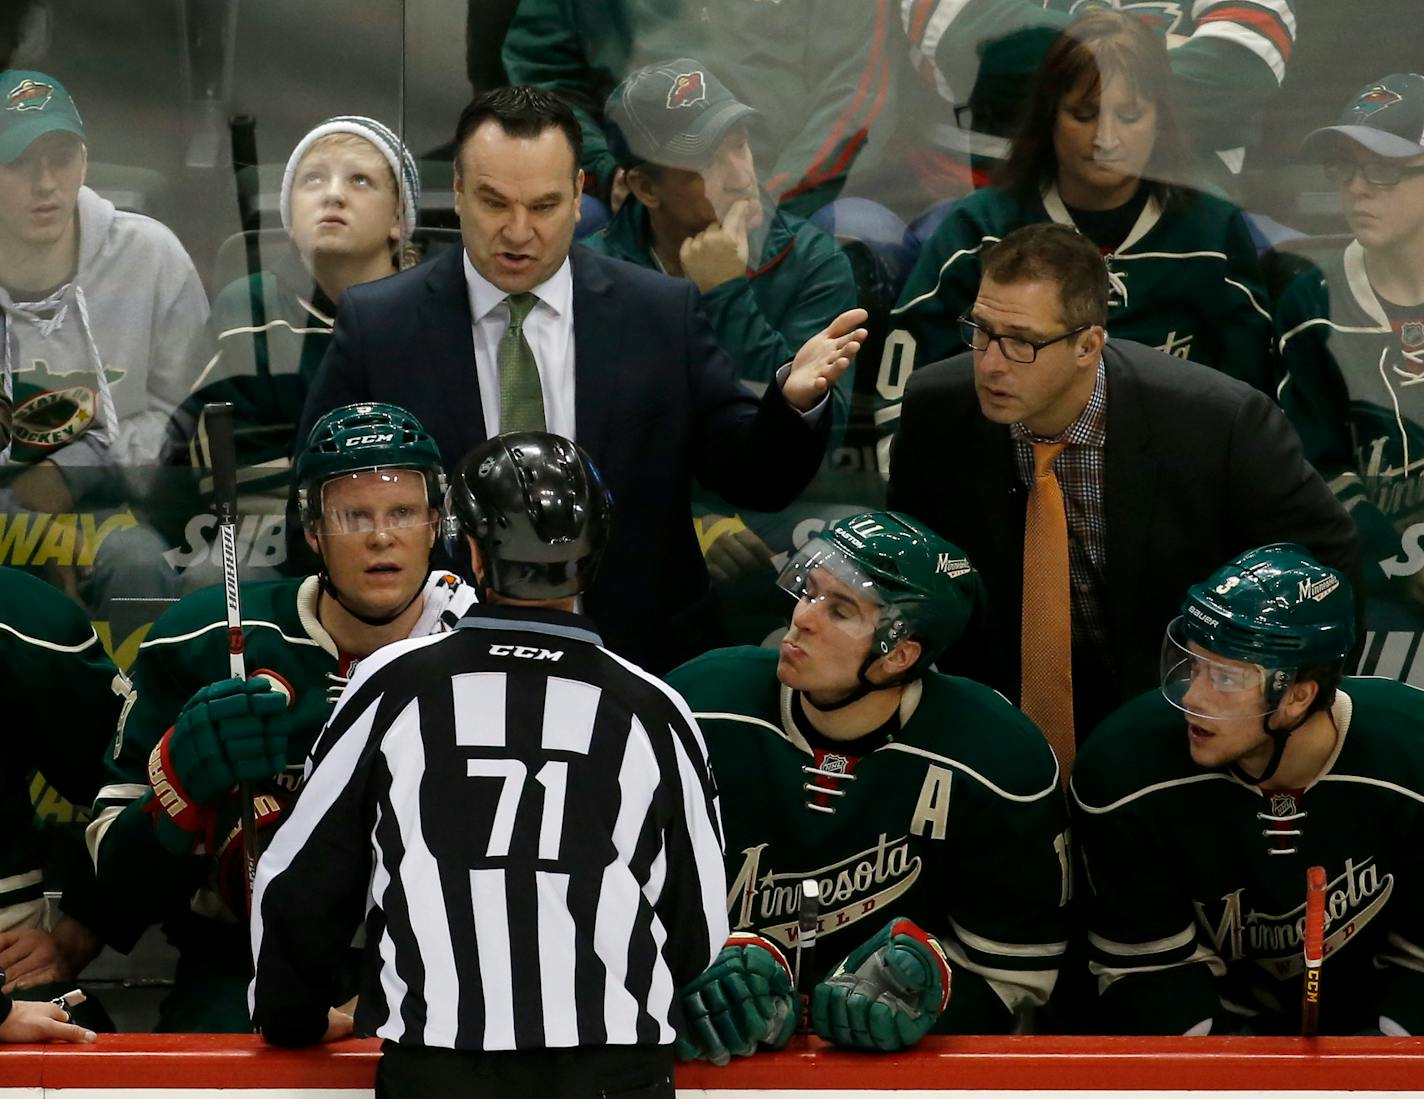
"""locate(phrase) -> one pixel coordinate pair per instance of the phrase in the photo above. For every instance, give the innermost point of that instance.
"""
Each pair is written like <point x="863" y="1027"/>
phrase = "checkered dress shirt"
<point x="1080" y="472"/>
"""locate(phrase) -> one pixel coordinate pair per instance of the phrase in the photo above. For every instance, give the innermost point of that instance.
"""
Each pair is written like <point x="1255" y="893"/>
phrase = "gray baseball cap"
<point x="32" y="105"/>
<point x="674" y="113"/>
<point x="1386" y="117"/>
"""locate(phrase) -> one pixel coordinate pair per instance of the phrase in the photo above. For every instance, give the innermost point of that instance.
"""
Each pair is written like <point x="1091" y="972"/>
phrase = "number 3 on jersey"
<point x="480" y="708"/>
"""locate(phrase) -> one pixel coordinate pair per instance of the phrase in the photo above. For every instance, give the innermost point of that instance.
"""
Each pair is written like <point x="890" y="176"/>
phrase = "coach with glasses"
<point x="1091" y="480"/>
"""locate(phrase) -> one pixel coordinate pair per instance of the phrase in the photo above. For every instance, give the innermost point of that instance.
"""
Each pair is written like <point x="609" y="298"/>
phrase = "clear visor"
<point x="829" y="583"/>
<point x="390" y="500"/>
<point x="1203" y="685"/>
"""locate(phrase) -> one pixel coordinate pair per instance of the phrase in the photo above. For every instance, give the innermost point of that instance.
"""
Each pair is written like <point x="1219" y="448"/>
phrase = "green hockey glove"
<point x="744" y="999"/>
<point x="229" y="732"/>
<point x="888" y="992"/>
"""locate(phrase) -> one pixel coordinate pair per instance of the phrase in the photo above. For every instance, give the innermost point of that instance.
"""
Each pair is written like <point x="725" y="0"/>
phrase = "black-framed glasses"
<point x="1014" y="348"/>
<point x="1380" y="173"/>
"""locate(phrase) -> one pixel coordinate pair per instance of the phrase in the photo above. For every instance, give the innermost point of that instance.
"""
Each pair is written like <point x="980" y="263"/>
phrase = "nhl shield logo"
<point x="836" y="764"/>
<point x="1282" y="805"/>
<point x="1376" y="99"/>
<point x="1411" y="334"/>
<point x="29" y="95"/>
<point x="687" y="89"/>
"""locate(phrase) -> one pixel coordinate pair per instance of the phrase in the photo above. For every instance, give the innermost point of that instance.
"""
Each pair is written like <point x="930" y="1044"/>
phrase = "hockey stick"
<point x="1314" y="950"/>
<point x="222" y="453"/>
<point x="808" y="916"/>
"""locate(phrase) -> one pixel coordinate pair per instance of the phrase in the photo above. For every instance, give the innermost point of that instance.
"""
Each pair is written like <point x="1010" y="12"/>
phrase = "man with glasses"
<point x="1158" y="469"/>
<point x="1351" y="338"/>
<point x="844" y="758"/>
<point x="1200" y="806"/>
<point x="166" y="835"/>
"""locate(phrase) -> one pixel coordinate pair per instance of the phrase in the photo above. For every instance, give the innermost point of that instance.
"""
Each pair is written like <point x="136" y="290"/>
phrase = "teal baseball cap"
<point x="33" y="104"/>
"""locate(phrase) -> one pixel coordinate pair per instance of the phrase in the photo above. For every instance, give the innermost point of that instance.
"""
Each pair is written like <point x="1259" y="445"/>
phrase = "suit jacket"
<point x="1198" y="468"/>
<point x="656" y="404"/>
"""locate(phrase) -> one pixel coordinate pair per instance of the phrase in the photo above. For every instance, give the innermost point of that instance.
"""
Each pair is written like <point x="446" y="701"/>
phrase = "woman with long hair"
<point x="1099" y="149"/>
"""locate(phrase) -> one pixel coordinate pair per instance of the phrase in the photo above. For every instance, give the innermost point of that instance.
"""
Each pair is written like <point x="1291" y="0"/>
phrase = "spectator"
<point x="103" y="310"/>
<point x="1165" y="467"/>
<point x="835" y="758"/>
<point x="696" y="210"/>
<point x="1200" y="806"/>
<point x="103" y="317"/>
<point x="1227" y="57"/>
<point x="818" y="100"/>
<point x="1099" y="149"/>
<point x="348" y="202"/>
<point x="1351" y="335"/>
<point x="371" y="486"/>
<point x="618" y="357"/>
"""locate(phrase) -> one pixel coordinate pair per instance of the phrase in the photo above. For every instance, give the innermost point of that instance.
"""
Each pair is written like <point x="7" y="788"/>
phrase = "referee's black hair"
<point x="521" y="110"/>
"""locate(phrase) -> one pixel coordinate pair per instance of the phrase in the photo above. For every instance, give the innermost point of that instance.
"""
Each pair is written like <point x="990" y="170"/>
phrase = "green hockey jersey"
<point x="187" y="649"/>
<point x="1353" y="386"/>
<point x="62" y="699"/>
<point x="956" y="822"/>
<point x="1198" y="879"/>
<point x="1185" y="281"/>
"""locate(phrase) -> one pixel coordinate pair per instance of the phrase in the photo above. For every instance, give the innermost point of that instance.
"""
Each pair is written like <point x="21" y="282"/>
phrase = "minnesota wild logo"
<point x="1376" y="99"/>
<point x="53" y="407"/>
<point x="29" y="95"/>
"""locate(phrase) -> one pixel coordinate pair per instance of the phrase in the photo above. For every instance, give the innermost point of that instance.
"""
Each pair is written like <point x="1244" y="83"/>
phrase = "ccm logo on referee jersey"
<point x="525" y="652"/>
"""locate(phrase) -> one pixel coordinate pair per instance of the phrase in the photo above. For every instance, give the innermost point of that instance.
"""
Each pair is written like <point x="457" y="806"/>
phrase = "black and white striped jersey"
<point x="529" y="827"/>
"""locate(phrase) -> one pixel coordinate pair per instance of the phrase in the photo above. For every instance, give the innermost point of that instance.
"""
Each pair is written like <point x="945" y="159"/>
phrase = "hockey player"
<point x="46" y="641"/>
<point x="370" y="486"/>
<point x="927" y="808"/>
<point x="1099" y="149"/>
<point x="1351" y="335"/>
<point x="526" y="822"/>
<point x="1197" y="833"/>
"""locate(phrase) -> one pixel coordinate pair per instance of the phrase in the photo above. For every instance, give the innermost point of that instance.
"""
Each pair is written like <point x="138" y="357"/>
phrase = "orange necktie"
<point x="1046" y="694"/>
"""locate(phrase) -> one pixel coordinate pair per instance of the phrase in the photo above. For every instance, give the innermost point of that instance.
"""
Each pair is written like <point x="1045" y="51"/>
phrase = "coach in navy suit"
<point x="626" y="366"/>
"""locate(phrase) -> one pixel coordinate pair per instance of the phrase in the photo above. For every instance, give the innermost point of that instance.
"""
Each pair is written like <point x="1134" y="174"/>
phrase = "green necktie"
<point x="521" y="400"/>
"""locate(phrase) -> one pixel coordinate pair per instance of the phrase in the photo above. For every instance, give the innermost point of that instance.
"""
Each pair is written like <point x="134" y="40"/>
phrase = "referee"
<point x="526" y="822"/>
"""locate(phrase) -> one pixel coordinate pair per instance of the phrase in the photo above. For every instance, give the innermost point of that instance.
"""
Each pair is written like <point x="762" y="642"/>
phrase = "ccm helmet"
<point x="537" y="509"/>
<point x="357" y="438"/>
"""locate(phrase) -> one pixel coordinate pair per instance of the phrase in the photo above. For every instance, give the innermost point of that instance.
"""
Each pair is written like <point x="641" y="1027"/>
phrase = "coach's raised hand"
<point x="824" y="358"/>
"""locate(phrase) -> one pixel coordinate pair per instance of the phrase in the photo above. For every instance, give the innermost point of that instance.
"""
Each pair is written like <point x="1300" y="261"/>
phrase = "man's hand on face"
<point x="618" y="190"/>
<point x="719" y="253"/>
<point x="823" y="359"/>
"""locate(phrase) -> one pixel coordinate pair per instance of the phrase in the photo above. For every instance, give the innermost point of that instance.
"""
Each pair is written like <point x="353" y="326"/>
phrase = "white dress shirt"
<point x="549" y="328"/>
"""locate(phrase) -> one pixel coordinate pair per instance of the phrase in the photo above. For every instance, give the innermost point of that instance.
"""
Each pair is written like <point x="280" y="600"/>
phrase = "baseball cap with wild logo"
<point x="1386" y="116"/>
<point x="33" y="104"/>
<point x="674" y="114"/>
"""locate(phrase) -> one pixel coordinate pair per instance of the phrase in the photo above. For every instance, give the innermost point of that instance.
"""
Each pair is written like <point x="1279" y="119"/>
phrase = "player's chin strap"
<point x="324" y="579"/>
<point x="1279" y="737"/>
<point x="862" y="687"/>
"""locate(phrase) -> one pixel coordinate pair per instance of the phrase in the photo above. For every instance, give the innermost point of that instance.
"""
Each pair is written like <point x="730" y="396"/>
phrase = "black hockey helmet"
<point x="537" y="509"/>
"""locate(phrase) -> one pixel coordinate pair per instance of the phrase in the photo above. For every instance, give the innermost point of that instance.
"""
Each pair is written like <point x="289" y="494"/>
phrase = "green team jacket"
<point x="1185" y="281"/>
<point x="187" y="649"/>
<point x="819" y="71"/>
<point x="957" y="824"/>
<point x="1351" y="386"/>
<point x="986" y="52"/>
<point x="800" y="283"/>
<point x="62" y="698"/>
<point x="270" y="338"/>
<point x="1192" y="915"/>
